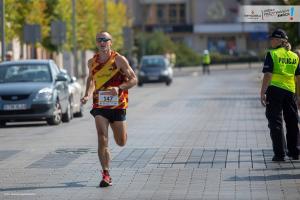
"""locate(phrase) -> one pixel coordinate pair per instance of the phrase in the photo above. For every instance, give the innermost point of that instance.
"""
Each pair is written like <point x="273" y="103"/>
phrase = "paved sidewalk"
<point x="197" y="70"/>
<point x="204" y="137"/>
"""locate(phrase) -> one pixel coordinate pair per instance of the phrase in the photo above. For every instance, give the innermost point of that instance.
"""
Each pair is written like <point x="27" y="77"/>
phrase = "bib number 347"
<point x="106" y="99"/>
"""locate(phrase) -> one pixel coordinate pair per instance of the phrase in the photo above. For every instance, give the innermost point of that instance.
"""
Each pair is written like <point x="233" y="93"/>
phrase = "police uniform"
<point x="206" y="61"/>
<point x="281" y="100"/>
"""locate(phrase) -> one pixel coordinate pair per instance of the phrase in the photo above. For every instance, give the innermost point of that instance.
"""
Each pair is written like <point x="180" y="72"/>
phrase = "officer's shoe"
<point x="293" y="157"/>
<point x="278" y="158"/>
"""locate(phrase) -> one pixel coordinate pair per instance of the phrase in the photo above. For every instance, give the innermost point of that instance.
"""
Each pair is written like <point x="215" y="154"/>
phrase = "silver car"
<point x="32" y="90"/>
<point x="155" y="68"/>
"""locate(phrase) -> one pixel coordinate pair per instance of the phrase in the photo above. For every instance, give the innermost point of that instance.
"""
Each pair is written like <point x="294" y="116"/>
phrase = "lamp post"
<point x="105" y="15"/>
<point x="2" y="8"/>
<point x="74" y="37"/>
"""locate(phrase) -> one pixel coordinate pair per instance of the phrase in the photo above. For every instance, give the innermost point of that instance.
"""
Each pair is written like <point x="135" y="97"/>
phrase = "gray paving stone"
<point x="211" y="142"/>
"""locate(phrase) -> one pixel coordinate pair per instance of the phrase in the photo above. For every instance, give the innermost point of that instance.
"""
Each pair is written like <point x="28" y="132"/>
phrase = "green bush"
<point x="154" y="43"/>
<point x="217" y="58"/>
<point x="185" y="56"/>
<point x="159" y="43"/>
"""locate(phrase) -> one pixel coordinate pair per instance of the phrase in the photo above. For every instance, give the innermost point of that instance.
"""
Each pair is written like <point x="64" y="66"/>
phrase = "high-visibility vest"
<point x="285" y="64"/>
<point x="206" y="59"/>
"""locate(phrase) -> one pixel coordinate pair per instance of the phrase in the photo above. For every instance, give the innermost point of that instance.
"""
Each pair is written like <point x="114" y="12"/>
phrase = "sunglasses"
<point x="102" y="39"/>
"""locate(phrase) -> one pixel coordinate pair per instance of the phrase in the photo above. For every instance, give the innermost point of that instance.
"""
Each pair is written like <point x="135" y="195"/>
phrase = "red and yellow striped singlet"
<point x="107" y="75"/>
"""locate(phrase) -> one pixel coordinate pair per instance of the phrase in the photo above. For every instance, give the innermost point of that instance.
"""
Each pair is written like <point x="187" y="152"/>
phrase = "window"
<point x="173" y="14"/>
<point x="160" y="13"/>
<point x="170" y="13"/>
<point x="182" y="14"/>
<point x="26" y="73"/>
<point x="223" y="45"/>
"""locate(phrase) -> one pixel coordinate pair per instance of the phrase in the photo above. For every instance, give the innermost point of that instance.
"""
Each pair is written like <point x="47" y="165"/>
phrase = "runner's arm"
<point x="125" y="68"/>
<point x="90" y="86"/>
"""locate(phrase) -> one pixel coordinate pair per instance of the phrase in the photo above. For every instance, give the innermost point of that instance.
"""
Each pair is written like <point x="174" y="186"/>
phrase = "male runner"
<point x="109" y="79"/>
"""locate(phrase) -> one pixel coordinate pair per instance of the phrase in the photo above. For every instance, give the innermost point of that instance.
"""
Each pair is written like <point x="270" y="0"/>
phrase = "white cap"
<point x="206" y="51"/>
<point x="9" y="53"/>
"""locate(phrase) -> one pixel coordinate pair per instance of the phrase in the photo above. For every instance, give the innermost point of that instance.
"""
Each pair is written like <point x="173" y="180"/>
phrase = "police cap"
<point x="279" y="33"/>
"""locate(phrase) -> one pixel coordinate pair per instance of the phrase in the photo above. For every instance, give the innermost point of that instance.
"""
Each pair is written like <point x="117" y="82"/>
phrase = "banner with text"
<point x="270" y="13"/>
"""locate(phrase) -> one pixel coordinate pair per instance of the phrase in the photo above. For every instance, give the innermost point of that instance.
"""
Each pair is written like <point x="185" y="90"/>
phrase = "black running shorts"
<point x="110" y="114"/>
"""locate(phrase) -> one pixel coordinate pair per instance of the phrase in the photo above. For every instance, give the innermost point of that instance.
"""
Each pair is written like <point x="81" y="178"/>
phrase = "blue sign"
<point x="259" y="36"/>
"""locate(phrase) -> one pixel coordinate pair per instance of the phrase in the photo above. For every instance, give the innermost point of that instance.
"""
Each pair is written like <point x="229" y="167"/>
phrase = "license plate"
<point x="14" y="107"/>
<point x="153" y="78"/>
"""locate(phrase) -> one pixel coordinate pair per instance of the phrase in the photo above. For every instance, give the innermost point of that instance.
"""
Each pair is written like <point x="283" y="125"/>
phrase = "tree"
<point x="291" y="28"/>
<point x="154" y="43"/>
<point x="15" y="18"/>
<point x="159" y="43"/>
<point x="116" y="21"/>
<point x="89" y="17"/>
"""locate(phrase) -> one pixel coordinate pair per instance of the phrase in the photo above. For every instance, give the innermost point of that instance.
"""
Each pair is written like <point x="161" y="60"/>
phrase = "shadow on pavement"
<point x="22" y="125"/>
<point x="76" y="184"/>
<point x="265" y="178"/>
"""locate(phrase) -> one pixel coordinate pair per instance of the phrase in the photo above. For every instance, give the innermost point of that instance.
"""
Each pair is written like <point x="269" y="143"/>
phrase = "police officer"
<point x="205" y="61"/>
<point x="278" y="95"/>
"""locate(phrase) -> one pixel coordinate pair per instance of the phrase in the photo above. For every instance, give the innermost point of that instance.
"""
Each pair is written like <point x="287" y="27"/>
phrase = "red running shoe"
<point x="106" y="180"/>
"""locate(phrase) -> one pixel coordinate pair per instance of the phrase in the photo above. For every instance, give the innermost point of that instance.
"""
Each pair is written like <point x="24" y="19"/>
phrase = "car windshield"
<point x="25" y="73"/>
<point x="153" y="62"/>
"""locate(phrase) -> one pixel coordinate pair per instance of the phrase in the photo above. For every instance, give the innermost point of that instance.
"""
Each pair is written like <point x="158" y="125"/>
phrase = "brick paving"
<point x="204" y="137"/>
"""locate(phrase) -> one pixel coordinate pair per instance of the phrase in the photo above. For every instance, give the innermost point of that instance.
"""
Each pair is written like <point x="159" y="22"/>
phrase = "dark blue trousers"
<point x="280" y="103"/>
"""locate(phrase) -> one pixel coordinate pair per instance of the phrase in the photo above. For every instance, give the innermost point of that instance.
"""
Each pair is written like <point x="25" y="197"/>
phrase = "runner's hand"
<point x="114" y="90"/>
<point x="84" y="99"/>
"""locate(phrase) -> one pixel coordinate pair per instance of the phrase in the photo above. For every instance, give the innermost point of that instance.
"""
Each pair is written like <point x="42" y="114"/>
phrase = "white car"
<point x="76" y="92"/>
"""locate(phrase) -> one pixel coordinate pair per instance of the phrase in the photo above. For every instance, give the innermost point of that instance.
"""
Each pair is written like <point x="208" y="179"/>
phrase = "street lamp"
<point x="105" y="15"/>
<point x="2" y="8"/>
<point x="74" y="37"/>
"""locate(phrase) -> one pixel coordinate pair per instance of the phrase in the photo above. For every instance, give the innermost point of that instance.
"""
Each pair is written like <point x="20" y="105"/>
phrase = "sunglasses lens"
<point x="102" y="39"/>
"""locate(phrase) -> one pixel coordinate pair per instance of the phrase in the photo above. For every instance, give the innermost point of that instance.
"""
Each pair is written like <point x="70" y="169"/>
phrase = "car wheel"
<point x="2" y="123"/>
<point x="168" y="83"/>
<point x="67" y="116"/>
<point x="57" y="115"/>
<point x="140" y="84"/>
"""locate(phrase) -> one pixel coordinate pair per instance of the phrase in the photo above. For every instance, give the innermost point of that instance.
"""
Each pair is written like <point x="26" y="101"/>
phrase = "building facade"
<point x="202" y="24"/>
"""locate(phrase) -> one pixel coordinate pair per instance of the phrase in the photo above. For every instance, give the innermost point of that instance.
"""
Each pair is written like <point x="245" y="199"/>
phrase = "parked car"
<point x="33" y="90"/>
<point x="76" y="92"/>
<point x="155" y="68"/>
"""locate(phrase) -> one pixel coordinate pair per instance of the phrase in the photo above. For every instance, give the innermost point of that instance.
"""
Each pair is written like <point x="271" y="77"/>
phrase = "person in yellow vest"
<point x="205" y="62"/>
<point x="110" y="77"/>
<point x="281" y="66"/>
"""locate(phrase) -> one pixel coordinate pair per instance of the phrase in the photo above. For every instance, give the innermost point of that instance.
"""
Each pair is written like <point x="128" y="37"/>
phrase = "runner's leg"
<point x="120" y="133"/>
<point x="103" y="150"/>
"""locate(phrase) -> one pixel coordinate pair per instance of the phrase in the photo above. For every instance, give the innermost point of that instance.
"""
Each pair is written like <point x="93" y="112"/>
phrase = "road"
<point x="203" y="137"/>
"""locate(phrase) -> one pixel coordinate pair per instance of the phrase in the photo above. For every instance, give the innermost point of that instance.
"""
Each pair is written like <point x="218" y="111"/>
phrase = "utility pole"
<point x="105" y="15"/>
<point x="2" y="7"/>
<point x="144" y="29"/>
<point x="74" y="37"/>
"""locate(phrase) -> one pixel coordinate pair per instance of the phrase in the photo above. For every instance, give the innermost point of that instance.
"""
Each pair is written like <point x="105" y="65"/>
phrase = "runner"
<point x="109" y="79"/>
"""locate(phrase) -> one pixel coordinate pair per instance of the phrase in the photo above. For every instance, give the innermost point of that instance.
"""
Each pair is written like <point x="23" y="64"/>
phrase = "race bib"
<point x="106" y="99"/>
